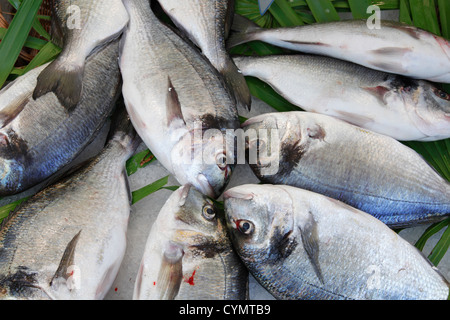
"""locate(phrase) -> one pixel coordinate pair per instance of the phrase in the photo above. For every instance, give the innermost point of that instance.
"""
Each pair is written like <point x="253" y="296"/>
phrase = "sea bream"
<point x="397" y="106"/>
<point x="177" y="102"/>
<point x="303" y="245"/>
<point x="394" y="47"/>
<point x="369" y="171"/>
<point x="80" y="27"/>
<point x="67" y="242"/>
<point x="207" y="24"/>
<point x="38" y="137"/>
<point x="188" y="254"/>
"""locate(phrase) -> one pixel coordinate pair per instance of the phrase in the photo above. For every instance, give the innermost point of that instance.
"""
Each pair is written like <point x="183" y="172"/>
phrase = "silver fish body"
<point x="177" y="101"/>
<point x="400" y="107"/>
<point x="207" y="24"/>
<point x="189" y="255"/>
<point x="394" y="47"/>
<point x="81" y="27"/>
<point x="302" y="245"/>
<point x="67" y="242"/>
<point x="369" y="171"/>
<point x="39" y="137"/>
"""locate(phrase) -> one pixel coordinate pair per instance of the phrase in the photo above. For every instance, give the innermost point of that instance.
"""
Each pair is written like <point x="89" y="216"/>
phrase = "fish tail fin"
<point x="235" y="80"/>
<point x="122" y="130"/>
<point x="243" y="30"/>
<point x="65" y="80"/>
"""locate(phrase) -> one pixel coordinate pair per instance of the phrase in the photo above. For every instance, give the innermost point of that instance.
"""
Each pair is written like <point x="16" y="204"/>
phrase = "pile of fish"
<point x="336" y="180"/>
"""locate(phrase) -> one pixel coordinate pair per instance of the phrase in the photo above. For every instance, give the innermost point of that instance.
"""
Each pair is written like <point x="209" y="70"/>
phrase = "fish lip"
<point x="234" y="194"/>
<point x="205" y="187"/>
<point x="251" y="121"/>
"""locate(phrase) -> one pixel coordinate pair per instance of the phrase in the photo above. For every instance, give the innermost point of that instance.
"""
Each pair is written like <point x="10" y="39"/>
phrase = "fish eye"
<point x="441" y="94"/>
<point x="208" y="212"/>
<point x="244" y="226"/>
<point x="221" y="160"/>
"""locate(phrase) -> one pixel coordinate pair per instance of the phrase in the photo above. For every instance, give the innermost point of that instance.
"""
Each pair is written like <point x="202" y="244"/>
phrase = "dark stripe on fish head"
<point x="260" y="220"/>
<point x="432" y="110"/>
<point x="291" y="154"/>
<point x="20" y="284"/>
<point x="204" y="225"/>
<point x="14" y="158"/>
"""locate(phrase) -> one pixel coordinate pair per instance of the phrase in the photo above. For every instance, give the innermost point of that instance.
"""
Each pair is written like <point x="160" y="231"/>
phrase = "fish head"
<point x="204" y="161"/>
<point x="199" y="221"/>
<point x="259" y="218"/>
<point x="429" y="109"/>
<point x="275" y="142"/>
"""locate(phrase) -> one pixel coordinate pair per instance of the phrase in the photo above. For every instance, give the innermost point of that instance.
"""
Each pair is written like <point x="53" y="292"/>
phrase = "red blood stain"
<point x="190" y="280"/>
<point x="115" y="289"/>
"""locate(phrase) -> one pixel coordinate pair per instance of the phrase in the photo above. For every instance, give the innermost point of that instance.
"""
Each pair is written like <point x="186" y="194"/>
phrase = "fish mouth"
<point x="235" y="194"/>
<point x="205" y="187"/>
<point x="251" y="121"/>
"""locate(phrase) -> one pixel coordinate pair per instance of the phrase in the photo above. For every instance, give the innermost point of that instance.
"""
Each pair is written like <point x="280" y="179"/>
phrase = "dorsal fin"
<point x="10" y="112"/>
<point x="67" y="259"/>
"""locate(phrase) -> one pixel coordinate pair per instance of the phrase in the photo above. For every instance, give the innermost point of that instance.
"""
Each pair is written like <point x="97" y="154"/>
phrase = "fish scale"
<point x="207" y="24"/>
<point x="207" y="266"/>
<point x="303" y="245"/>
<point x="366" y="170"/>
<point x="188" y="97"/>
<point x="80" y="28"/>
<point x="402" y="108"/>
<point x="57" y="136"/>
<point x="91" y="205"/>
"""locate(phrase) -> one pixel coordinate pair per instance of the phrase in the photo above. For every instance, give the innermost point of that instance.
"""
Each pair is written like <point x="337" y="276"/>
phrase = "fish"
<point x="178" y="102"/>
<point x="394" y="47"/>
<point x="81" y="28"/>
<point x="302" y="245"/>
<point x="403" y="108"/>
<point x="366" y="170"/>
<point x="68" y="241"/>
<point x="38" y="138"/>
<point x="188" y="254"/>
<point x="207" y="24"/>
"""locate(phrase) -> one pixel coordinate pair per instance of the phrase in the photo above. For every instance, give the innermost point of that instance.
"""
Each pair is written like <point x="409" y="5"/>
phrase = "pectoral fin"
<point x="171" y="272"/>
<point x="379" y="92"/>
<point x="66" y="260"/>
<point x="173" y="104"/>
<point x="10" y="112"/>
<point x="310" y="242"/>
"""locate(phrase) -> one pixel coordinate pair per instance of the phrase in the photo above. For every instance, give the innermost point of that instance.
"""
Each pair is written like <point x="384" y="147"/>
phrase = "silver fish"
<point x="397" y="106"/>
<point x="369" y="171"/>
<point x="189" y="255"/>
<point x="302" y="245"/>
<point x="83" y="26"/>
<point x="38" y="137"/>
<point x="207" y="24"/>
<point x="177" y="101"/>
<point x="394" y="47"/>
<point x="68" y="241"/>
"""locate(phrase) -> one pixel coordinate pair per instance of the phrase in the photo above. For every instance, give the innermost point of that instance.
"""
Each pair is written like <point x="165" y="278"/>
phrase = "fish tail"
<point x="236" y="82"/>
<point x="243" y="30"/>
<point x="64" y="80"/>
<point x="122" y="130"/>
